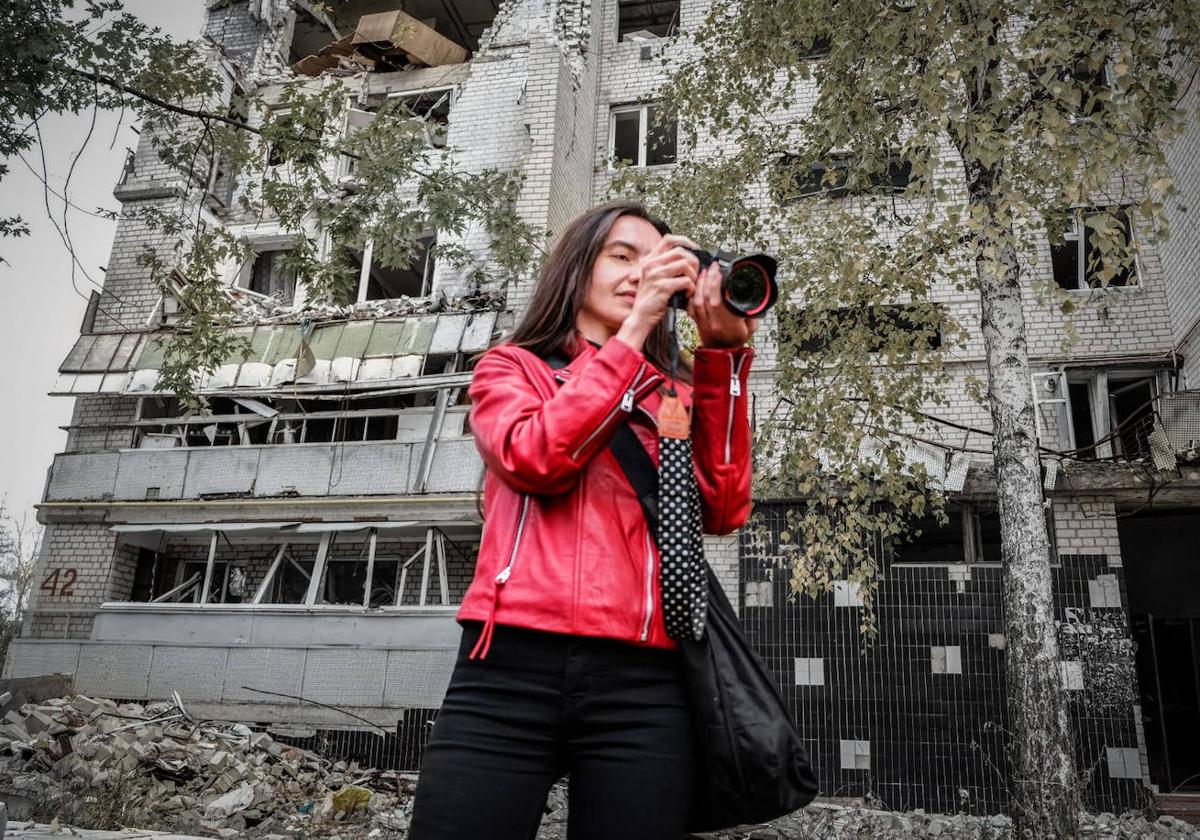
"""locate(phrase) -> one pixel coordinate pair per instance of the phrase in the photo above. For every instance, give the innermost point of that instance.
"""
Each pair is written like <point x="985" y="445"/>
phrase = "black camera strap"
<point x="634" y="461"/>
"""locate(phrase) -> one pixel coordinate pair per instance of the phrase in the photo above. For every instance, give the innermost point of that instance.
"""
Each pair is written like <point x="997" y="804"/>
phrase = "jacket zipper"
<point x="649" y="587"/>
<point x="735" y="391"/>
<point x="506" y="572"/>
<point x="626" y="405"/>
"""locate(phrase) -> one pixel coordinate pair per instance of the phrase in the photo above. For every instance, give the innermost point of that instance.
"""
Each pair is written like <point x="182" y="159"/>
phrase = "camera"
<point x="747" y="283"/>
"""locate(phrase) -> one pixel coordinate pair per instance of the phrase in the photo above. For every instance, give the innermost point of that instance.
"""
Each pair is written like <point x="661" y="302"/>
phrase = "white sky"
<point x="40" y="312"/>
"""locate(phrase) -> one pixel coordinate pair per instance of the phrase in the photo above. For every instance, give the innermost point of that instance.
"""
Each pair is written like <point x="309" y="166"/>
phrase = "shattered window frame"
<point x="306" y="568"/>
<point x="365" y="257"/>
<point x="290" y="427"/>
<point x="1076" y="236"/>
<point x="668" y="28"/>
<point x="1113" y="436"/>
<point x="434" y="138"/>
<point x="288" y="276"/>
<point x="969" y="538"/>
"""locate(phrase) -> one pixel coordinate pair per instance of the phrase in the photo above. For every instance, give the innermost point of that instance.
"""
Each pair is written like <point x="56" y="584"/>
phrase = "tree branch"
<point x="110" y="82"/>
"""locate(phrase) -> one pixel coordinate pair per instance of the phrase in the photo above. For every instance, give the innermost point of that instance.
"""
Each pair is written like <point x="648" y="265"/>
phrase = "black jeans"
<point x="612" y="715"/>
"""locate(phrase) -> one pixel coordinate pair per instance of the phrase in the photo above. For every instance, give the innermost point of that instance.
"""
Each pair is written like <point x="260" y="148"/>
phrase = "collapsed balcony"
<point x="385" y="35"/>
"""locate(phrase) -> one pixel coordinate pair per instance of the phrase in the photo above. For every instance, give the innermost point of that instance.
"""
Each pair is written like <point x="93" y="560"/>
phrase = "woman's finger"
<point x="673" y="267"/>
<point x="673" y="240"/>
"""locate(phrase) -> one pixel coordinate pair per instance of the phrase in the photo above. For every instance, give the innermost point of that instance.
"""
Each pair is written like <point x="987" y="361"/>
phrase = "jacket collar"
<point x="585" y="351"/>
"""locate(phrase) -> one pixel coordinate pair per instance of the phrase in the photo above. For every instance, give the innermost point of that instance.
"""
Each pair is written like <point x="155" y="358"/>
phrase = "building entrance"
<point x="1162" y="567"/>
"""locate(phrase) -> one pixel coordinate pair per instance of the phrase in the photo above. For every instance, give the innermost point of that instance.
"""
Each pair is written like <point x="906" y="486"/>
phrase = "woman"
<point x="565" y="667"/>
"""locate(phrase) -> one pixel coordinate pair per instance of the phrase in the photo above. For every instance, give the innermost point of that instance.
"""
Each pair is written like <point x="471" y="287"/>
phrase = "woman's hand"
<point x="718" y="326"/>
<point x="666" y="270"/>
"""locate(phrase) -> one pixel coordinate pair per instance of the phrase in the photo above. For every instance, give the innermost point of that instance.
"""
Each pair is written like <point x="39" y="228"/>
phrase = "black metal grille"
<point x="918" y="719"/>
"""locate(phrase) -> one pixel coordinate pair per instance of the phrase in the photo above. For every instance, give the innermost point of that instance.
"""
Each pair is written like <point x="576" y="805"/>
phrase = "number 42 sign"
<point x="60" y="582"/>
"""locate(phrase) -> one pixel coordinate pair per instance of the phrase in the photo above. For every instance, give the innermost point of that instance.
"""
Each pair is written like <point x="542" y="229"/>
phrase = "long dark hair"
<point x="548" y="326"/>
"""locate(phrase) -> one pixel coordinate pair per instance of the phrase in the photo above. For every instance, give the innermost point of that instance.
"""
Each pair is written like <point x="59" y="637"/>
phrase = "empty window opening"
<point x="971" y="535"/>
<point x="1082" y="422"/>
<point x="816" y="47"/>
<point x="883" y="326"/>
<point x="640" y="20"/>
<point x="154" y="575"/>
<point x="1078" y="260"/>
<point x="230" y="422"/>
<point x="312" y="32"/>
<point x="439" y="363"/>
<point x="432" y="109"/>
<point x="641" y="135"/>
<point x="1112" y="416"/>
<point x="290" y="139"/>
<point x="1131" y="404"/>
<point x="381" y="279"/>
<point x="271" y="275"/>
<point x="1080" y="89"/>
<point x="833" y="178"/>
<point x="428" y="112"/>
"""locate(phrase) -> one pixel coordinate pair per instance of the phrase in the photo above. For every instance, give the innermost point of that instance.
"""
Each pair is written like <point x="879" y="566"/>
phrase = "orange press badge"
<point x="673" y="419"/>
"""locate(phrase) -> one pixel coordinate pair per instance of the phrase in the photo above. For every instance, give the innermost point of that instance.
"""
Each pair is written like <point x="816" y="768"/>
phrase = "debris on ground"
<point x="97" y="764"/>
<point x="100" y="764"/>
<point x="829" y="821"/>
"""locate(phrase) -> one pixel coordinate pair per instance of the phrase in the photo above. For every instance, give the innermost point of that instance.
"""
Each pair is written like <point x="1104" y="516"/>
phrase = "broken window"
<point x="1081" y="419"/>
<point x="380" y="280"/>
<point x="883" y="325"/>
<point x="1112" y="415"/>
<point x="830" y="178"/>
<point x="1081" y="88"/>
<point x="1077" y="250"/>
<point x="642" y="135"/>
<point x="971" y="535"/>
<point x="376" y="564"/>
<point x="430" y="111"/>
<point x="222" y="181"/>
<point x="432" y="108"/>
<point x="1131" y="407"/>
<point x="243" y="421"/>
<point x="290" y="139"/>
<point x="154" y="574"/>
<point x="817" y="47"/>
<point x="271" y="275"/>
<point x="312" y="33"/>
<point x="640" y="20"/>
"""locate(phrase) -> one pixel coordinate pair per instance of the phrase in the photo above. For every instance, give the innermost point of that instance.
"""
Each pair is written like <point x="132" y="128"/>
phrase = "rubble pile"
<point x="253" y="308"/>
<point x="169" y="770"/>
<point x="830" y="821"/>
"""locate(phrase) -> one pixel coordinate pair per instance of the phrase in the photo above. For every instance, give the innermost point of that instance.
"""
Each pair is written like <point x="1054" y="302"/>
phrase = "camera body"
<point x="748" y="285"/>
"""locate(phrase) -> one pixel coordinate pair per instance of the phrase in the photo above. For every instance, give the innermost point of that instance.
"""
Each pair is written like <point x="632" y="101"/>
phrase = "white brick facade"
<point x="536" y="98"/>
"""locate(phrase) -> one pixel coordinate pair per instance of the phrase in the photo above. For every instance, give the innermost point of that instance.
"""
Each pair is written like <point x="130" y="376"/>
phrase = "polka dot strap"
<point x="681" y="568"/>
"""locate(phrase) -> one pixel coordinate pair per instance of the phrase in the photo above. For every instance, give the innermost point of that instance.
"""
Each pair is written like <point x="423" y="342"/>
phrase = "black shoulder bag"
<point x="755" y="766"/>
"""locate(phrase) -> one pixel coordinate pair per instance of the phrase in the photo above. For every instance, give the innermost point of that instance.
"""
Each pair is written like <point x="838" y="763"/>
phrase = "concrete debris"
<point x="171" y="772"/>
<point x="251" y="308"/>
<point x="383" y="41"/>
<point x="830" y="821"/>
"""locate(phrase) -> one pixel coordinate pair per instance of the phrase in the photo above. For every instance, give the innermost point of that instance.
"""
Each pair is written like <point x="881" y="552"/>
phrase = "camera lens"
<point x="748" y="289"/>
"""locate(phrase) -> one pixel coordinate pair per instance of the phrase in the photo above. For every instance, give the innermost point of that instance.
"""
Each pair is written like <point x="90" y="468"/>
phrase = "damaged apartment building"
<point x="298" y="551"/>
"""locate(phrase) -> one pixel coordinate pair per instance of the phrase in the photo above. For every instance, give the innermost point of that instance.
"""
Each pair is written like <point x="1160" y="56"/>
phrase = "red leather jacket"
<point x="565" y="545"/>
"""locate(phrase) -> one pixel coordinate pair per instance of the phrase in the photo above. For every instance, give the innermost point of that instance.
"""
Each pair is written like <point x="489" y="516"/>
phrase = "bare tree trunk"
<point x="1043" y="779"/>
